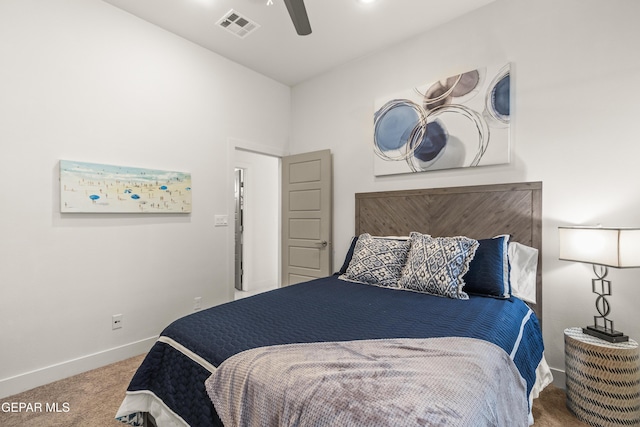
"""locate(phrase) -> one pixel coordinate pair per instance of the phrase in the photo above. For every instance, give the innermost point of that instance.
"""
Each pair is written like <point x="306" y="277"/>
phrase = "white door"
<point x="306" y="216"/>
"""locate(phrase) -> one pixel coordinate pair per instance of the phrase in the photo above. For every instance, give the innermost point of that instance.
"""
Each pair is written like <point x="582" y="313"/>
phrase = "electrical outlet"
<point x="116" y="321"/>
<point x="197" y="303"/>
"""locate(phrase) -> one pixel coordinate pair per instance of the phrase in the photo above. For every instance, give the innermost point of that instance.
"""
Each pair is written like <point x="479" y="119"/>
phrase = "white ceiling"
<point x="342" y="29"/>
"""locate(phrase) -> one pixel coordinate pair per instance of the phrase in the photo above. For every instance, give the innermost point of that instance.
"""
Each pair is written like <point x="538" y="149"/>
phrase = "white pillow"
<point x="524" y="264"/>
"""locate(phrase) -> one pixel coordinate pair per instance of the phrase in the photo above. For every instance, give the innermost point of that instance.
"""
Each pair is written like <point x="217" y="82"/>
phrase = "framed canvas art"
<point x="98" y="188"/>
<point x="456" y="122"/>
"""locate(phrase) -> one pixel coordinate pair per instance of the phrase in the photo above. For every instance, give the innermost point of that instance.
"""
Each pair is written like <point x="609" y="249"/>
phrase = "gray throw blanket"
<point x="396" y="382"/>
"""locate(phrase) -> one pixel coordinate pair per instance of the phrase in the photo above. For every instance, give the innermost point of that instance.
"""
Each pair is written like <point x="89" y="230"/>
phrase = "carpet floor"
<point x="91" y="399"/>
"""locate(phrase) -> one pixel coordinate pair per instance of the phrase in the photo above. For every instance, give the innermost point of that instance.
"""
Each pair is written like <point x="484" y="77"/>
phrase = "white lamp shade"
<point x="612" y="247"/>
<point x="629" y="248"/>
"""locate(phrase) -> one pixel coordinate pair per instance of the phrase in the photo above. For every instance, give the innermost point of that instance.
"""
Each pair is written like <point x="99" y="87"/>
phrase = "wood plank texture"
<point x="479" y="212"/>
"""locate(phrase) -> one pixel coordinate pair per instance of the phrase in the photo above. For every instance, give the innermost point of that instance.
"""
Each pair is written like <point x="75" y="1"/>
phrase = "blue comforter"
<point x="327" y="309"/>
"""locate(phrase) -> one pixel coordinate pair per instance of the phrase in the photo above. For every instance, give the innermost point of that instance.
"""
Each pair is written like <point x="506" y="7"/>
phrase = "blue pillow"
<point x="488" y="273"/>
<point x="347" y="259"/>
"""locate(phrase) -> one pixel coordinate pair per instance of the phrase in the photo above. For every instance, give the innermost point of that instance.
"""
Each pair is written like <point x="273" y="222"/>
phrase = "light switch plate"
<point x="221" y="220"/>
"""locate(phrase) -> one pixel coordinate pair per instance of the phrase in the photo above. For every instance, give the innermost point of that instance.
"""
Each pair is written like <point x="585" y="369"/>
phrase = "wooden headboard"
<point x="479" y="212"/>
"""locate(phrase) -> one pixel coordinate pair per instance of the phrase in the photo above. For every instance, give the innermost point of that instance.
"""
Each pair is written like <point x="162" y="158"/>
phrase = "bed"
<point x="244" y="349"/>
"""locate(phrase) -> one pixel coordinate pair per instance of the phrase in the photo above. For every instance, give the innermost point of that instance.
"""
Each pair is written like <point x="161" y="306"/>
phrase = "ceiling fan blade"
<point x="299" y="16"/>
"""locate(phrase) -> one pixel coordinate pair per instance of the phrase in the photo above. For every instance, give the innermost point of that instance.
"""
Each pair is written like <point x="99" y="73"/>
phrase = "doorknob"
<point x="322" y="244"/>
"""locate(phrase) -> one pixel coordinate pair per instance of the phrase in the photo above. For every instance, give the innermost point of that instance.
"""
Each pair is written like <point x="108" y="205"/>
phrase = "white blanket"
<point x="399" y="382"/>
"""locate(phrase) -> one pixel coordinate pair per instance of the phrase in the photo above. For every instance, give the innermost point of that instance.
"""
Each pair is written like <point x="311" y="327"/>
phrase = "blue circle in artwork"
<point x="94" y="197"/>
<point x="135" y="196"/>
<point x="188" y="188"/>
<point x="395" y="126"/>
<point x="500" y="96"/>
<point x="164" y="187"/>
<point x="432" y="143"/>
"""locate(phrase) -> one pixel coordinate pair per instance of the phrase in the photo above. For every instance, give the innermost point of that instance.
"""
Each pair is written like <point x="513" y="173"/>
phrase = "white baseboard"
<point x="259" y="285"/>
<point x="27" y="381"/>
<point x="559" y="378"/>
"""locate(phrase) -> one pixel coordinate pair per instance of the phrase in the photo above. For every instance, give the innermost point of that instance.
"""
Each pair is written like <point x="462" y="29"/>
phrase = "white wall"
<point x="261" y="219"/>
<point x="575" y="69"/>
<point x="82" y="80"/>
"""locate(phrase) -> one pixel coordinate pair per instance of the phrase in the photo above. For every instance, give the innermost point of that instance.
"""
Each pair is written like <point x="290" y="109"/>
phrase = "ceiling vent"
<point x="237" y="24"/>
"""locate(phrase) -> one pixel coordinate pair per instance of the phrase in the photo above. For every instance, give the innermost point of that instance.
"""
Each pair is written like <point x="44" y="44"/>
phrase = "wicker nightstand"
<point x="603" y="379"/>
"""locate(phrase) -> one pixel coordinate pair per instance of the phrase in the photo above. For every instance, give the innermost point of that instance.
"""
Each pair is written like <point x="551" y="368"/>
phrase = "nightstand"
<point x="603" y="379"/>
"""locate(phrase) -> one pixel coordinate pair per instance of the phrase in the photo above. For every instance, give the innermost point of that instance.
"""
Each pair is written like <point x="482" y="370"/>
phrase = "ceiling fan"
<point x="299" y="16"/>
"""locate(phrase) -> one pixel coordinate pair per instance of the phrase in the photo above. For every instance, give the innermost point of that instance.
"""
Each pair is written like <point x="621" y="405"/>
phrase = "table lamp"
<point x="603" y="247"/>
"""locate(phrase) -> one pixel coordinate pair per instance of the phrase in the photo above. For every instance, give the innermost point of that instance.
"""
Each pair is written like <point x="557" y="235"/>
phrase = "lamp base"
<point x="605" y="334"/>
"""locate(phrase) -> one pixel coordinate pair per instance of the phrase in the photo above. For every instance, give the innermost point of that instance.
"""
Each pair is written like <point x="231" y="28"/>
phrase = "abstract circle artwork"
<point x="459" y="121"/>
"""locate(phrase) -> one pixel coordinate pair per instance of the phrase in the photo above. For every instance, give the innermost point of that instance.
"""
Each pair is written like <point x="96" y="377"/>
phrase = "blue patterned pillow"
<point x="489" y="270"/>
<point x="377" y="261"/>
<point x="436" y="265"/>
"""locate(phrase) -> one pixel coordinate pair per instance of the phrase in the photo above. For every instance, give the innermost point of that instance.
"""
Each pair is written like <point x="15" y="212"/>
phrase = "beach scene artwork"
<point x="98" y="188"/>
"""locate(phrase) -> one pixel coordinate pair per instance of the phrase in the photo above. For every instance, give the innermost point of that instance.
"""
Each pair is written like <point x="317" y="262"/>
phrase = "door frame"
<point x="238" y="224"/>
<point x="234" y="144"/>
